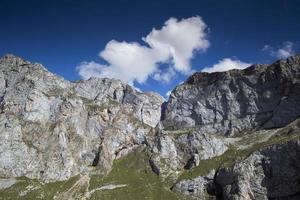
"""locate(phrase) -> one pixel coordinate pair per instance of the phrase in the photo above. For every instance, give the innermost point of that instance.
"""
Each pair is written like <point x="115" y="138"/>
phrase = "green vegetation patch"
<point x="141" y="183"/>
<point x="29" y="189"/>
<point x="183" y="131"/>
<point x="57" y="92"/>
<point x="234" y="154"/>
<point x="91" y="105"/>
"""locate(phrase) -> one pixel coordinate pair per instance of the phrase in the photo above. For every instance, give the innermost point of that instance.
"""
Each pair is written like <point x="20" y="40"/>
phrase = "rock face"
<point x="270" y="173"/>
<point x="51" y="129"/>
<point x="198" y="188"/>
<point x="237" y="100"/>
<point x="146" y="106"/>
<point x="173" y="153"/>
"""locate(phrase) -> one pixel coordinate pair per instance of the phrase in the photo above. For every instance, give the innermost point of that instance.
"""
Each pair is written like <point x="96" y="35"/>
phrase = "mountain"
<point x="223" y="135"/>
<point x="230" y="102"/>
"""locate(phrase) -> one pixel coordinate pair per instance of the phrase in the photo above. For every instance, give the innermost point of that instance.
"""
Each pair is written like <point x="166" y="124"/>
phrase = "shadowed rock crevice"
<point x="96" y="159"/>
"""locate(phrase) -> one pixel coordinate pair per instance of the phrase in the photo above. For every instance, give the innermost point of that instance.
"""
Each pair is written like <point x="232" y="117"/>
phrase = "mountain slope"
<point x="216" y="137"/>
<point x="52" y="129"/>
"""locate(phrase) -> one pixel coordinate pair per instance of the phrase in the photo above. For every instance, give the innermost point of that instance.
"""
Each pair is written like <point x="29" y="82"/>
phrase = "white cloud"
<point x="164" y="76"/>
<point x="226" y="64"/>
<point x="174" y="44"/>
<point x="285" y="51"/>
<point x="178" y="40"/>
<point x="88" y="69"/>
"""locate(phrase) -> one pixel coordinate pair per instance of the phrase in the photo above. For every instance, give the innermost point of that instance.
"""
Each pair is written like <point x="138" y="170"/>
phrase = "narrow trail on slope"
<point x="105" y="187"/>
<point x="83" y="182"/>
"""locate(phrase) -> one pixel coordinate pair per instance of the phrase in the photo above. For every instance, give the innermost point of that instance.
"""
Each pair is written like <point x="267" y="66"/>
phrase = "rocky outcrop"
<point x="270" y="173"/>
<point x="255" y="171"/>
<point x="237" y="100"/>
<point x="146" y="106"/>
<point x="51" y="129"/>
<point x="6" y="183"/>
<point x="198" y="188"/>
<point x="174" y="152"/>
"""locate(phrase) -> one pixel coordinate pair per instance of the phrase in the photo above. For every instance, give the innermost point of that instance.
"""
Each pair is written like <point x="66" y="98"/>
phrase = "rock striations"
<point x="224" y="135"/>
<point x="230" y="102"/>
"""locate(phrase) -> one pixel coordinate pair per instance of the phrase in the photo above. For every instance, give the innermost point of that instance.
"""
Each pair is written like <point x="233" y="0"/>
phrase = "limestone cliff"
<point x="223" y="135"/>
<point x="264" y="96"/>
<point x="52" y="129"/>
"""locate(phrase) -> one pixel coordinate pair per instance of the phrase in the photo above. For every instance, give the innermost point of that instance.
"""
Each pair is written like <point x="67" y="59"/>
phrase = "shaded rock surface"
<point x="198" y="188"/>
<point x="267" y="170"/>
<point x="237" y="100"/>
<point x="173" y="153"/>
<point x="270" y="173"/>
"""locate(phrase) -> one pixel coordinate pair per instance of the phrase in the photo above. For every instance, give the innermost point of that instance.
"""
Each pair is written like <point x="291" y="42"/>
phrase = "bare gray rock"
<point x="198" y="188"/>
<point x="173" y="153"/>
<point x="237" y="100"/>
<point x="51" y="129"/>
<point x="6" y="183"/>
<point x="270" y="173"/>
<point x="146" y="106"/>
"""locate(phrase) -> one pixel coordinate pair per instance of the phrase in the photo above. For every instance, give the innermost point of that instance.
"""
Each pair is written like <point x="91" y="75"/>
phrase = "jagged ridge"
<point x="234" y="101"/>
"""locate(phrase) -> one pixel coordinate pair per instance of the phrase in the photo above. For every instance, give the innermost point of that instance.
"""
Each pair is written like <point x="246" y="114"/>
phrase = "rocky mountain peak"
<point x="237" y="100"/>
<point x="12" y="58"/>
<point x="210" y="78"/>
<point x="15" y="62"/>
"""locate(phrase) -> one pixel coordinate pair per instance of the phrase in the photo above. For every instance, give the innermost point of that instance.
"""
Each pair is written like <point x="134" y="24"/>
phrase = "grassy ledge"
<point x="141" y="183"/>
<point x="234" y="154"/>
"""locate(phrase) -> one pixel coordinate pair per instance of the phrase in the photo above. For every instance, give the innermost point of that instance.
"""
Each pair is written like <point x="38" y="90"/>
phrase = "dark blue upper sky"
<point x="61" y="34"/>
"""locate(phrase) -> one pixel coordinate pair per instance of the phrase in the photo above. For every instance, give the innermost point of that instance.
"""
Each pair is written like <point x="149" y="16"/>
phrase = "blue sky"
<point x="63" y="34"/>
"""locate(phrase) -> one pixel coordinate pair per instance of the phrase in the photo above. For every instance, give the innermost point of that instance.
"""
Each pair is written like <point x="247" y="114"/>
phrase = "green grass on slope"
<point x="132" y="170"/>
<point x="135" y="172"/>
<point x="141" y="183"/>
<point x="234" y="154"/>
<point x="38" y="190"/>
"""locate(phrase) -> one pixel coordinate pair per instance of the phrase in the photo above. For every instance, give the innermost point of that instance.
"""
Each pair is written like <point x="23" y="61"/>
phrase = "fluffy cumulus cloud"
<point x="282" y="52"/>
<point x="166" y="76"/>
<point x="177" y="40"/>
<point x="226" y="64"/>
<point x="174" y="44"/>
